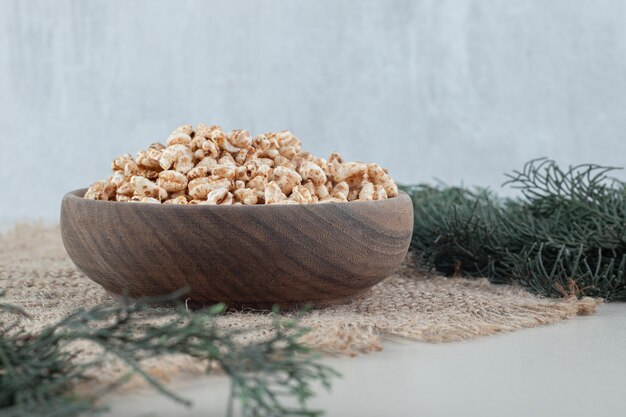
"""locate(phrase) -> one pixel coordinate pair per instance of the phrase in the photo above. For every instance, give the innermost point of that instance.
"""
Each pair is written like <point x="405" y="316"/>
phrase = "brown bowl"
<point x="240" y="255"/>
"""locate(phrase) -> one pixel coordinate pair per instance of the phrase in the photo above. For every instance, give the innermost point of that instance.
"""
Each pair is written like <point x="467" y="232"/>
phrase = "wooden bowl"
<point x="240" y="255"/>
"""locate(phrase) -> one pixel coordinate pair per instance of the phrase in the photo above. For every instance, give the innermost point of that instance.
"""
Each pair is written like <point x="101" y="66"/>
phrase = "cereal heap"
<point x="205" y="165"/>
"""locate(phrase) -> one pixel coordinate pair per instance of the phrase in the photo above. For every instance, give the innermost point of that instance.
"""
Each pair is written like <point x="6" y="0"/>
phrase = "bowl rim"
<point x="77" y="195"/>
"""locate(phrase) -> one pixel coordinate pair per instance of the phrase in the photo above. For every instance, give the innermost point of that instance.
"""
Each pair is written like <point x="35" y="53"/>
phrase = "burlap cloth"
<point x="38" y="276"/>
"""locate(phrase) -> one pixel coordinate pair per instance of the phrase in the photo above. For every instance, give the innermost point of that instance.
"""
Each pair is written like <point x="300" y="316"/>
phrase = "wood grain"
<point x="243" y="255"/>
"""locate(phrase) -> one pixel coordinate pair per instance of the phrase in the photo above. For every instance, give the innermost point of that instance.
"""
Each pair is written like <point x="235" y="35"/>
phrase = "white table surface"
<point x="574" y="368"/>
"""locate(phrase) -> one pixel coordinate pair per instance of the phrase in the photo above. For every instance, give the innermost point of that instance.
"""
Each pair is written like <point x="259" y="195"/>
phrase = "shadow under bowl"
<point x="240" y="255"/>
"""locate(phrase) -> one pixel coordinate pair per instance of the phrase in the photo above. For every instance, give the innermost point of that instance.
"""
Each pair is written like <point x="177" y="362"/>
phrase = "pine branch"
<point x="38" y="372"/>
<point x="567" y="234"/>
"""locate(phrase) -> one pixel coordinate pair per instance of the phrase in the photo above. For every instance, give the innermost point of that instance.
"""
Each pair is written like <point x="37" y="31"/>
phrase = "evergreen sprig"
<point x="273" y="377"/>
<point x="565" y="236"/>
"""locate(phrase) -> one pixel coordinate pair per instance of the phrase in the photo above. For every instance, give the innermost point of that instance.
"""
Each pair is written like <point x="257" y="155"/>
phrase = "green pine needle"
<point x="565" y="236"/>
<point x="274" y="377"/>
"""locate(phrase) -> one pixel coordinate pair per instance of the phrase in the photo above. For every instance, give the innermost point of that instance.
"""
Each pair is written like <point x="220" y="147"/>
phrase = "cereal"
<point x="131" y="168"/>
<point x="172" y="181"/>
<point x="178" y="200"/>
<point x="143" y="187"/>
<point x="126" y="189"/>
<point x="246" y="196"/>
<point x="301" y="195"/>
<point x="101" y="190"/>
<point x="379" y="192"/>
<point x="150" y="200"/>
<point x="224" y="171"/>
<point x="286" y="179"/>
<point x="340" y="191"/>
<point x="322" y="191"/>
<point x="200" y="188"/>
<point x="118" y="178"/>
<point x="210" y="149"/>
<point x="311" y="171"/>
<point x="177" y="156"/>
<point x="367" y="191"/>
<point x="179" y="138"/>
<point x="273" y="194"/>
<point x="353" y="173"/>
<point x="120" y="162"/>
<point x="208" y="166"/>
<point x="379" y="176"/>
<point x="240" y="138"/>
<point x="149" y="159"/>
<point x="220" y="196"/>
<point x="187" y="129"/>
<point x="198" y="171"/>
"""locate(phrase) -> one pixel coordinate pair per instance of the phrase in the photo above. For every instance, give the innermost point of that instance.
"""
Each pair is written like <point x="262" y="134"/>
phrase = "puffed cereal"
<point x="207" y="166"/>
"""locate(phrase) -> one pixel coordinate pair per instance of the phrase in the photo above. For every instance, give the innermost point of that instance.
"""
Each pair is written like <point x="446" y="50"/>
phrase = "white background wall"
<point x="458" y="90"/>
